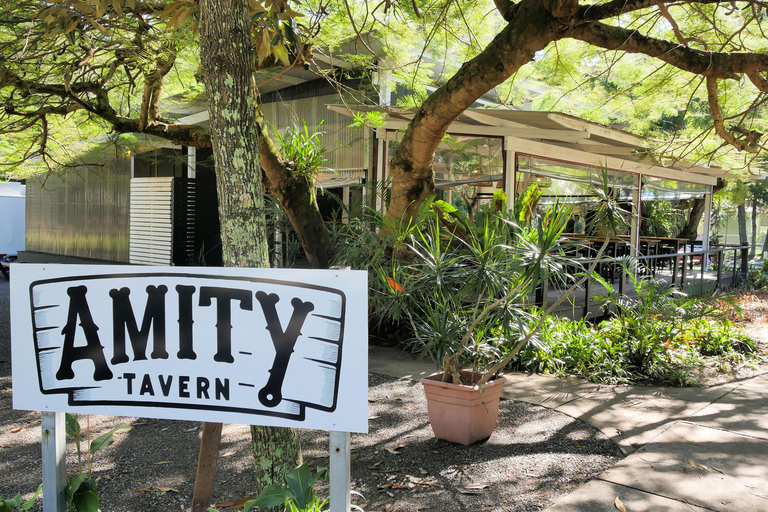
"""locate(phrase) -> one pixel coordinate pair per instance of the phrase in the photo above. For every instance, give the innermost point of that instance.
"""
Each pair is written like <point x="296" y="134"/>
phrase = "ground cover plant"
<point x="602" y="353"/>
<point x="657" y="335"/>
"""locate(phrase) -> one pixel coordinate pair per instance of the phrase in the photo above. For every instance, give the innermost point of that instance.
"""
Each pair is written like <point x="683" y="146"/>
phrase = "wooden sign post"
<point x="276" y="347"/>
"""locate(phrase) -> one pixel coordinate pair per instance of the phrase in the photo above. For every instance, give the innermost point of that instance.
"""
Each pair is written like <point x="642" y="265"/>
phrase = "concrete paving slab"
<point x="632" y="416"/>
<point x="548" y="390"/>
<point x="743" y="410"/>
<point x="739" y="483"/>
<point x="398" y="363"/>
<point x="600" y="496"/>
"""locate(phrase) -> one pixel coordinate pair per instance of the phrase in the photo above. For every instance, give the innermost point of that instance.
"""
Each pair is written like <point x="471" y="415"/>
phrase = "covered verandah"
<point x="567" y="158"/>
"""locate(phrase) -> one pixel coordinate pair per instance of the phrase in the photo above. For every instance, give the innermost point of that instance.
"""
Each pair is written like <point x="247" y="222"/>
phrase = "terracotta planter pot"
<point x="459" y="413"/>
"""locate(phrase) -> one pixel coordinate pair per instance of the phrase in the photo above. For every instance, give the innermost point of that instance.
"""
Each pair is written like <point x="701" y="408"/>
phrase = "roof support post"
<point x="510" y="173"/>
<point x="707" y="227"/>
<point x="634" y="222"/>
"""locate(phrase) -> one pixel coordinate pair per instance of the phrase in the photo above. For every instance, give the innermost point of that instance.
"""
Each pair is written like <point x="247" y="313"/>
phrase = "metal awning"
<point x="555" y="135"/>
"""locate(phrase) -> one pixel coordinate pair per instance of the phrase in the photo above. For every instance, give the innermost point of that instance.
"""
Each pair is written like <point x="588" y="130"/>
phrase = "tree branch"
<point x="704" y="63"/>
<point x="618" y="7"/>
<point x="506" y="8"/>
<point x="717" y="118"/>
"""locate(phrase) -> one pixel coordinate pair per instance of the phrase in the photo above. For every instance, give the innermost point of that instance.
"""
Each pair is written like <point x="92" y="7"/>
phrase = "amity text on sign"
<point x="259" y="346"/>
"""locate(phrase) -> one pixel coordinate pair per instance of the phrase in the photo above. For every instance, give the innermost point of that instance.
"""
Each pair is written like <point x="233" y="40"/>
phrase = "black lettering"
<point x="222" y="389"/>
<point x="284" y="341"/>
<point x="129" y="378"/>
<point x="184" y="386"/>
<point x="202" y="387"/>
<point x="224" y="298"/>
<point x="123" y="318"/>
<point x="165" y="386"/>
<point x="93" y="350"/>
<point x="146" y="386"/>
<point x="185" y="322"/>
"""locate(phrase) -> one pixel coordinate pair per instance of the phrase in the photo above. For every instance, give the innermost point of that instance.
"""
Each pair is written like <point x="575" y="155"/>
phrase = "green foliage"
<point x="81" y="490"/>
<point x="660" y="218"/>
<point x="16" y="503"/>
<point x="302" y="149"/>
<point x="757" y="279"/>
<point x="604" y="353"/>
<point x="464" y="285"/>
<point x="298" y="494"/>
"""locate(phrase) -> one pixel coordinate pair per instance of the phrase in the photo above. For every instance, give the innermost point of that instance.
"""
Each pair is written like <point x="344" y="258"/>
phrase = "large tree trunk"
<point x="530" y="29"/>
<point x="742" y="218"/>
<point x="226" y="56"/>
<point x="691" y="228"/>
<point x="295" y="194"/>
<point x="275" y="450"/>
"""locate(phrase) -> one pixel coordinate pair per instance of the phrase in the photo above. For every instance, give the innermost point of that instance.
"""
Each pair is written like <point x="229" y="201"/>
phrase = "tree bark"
<point x="296" y="196"/>
<point x="531" y="29"/>
<point x="227" y="60"/>
<point x="691" y="228"/>
<point x="275" y="451"/>
<point x="742" y="217"/>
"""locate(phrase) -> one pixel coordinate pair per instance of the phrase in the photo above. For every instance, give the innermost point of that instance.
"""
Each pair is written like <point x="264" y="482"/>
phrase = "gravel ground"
<point x="535" y="455"/>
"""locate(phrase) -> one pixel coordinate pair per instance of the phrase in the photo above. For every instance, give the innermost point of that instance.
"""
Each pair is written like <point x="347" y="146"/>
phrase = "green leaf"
<point x="29" y="503"/>
<point x="300" y="481"/>
<point x="107" y="439"/>
<point x="271" y="496"/>
<point x="86" y="498"/>
<point x="13" y="502"/>
<point x="73" y="485"/>
<point x="73" y="426"/>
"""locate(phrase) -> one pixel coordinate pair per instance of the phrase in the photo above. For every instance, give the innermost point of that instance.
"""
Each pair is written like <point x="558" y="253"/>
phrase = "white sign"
<point x="258" y="346"/>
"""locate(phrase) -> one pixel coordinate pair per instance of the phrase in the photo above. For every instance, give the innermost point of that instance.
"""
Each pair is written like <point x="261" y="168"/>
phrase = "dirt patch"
<point x="535" y="456"/>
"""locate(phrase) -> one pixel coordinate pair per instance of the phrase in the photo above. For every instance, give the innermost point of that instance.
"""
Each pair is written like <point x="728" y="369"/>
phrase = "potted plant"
<point x="466" y="293"/>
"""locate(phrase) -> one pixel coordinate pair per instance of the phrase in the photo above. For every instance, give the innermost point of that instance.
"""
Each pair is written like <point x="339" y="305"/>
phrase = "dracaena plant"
<point x="466" y="289"/>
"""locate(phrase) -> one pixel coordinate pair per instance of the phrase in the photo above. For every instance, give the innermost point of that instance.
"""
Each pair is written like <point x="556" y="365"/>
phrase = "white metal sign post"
<point x="276" y="347"/>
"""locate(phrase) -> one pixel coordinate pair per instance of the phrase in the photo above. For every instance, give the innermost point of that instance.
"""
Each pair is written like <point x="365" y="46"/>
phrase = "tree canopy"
<point x="689" y="74"/>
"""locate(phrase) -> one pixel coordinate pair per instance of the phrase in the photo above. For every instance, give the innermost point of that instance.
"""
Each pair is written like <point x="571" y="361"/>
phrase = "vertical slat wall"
<point x="151" y="221"/>
<point x="184" y="222"/>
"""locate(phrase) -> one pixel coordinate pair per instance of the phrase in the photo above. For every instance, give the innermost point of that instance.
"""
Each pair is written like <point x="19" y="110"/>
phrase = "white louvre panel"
<point x="151" y="221"/>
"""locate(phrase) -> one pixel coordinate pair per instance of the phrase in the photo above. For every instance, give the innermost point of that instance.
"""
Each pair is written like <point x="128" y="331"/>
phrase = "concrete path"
<point x="689" y="449"/>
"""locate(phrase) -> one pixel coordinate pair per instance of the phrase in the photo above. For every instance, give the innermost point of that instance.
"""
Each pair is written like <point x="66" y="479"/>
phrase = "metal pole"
<point x="682" y="273"/>
<point x="54" y="461"/>
<point x="340" y="472"/>
<point x="586" y="298"/>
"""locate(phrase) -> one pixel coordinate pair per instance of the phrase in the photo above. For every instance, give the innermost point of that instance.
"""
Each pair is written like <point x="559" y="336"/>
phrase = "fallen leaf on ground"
<point x="17" y="430"/>
<point x="163" y="462"/>
<point x="191" y="429"/>
<point x="619" y="505"/>
<point x="718" y="470"/>
<point x="697" y="465"/>
<point x="423" y="471"/>
<point x="167" y="489"/>
<point x="144" y="489"/>
<point x="435" y="451"/>
<point x="473" y="489"/>
<point x="393" y="451"/>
